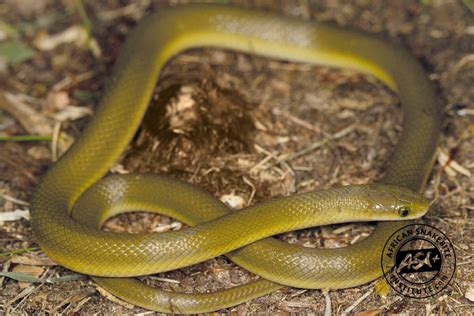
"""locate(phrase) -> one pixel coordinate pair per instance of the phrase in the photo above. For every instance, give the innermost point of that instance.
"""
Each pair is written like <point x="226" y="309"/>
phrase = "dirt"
<point x="220" y="121"/>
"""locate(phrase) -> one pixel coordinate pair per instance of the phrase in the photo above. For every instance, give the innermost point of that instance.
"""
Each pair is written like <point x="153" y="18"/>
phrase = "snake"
<point x="73" y="198"/>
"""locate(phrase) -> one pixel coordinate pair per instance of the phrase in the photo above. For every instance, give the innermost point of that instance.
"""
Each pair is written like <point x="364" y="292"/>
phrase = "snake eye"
<point x="403" y="211"/>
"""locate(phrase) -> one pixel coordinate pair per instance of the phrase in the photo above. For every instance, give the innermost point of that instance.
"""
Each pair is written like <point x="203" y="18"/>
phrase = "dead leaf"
<point x="14" y="52"/>
<point x="470" y="294"/>
<point x="29" y="8"/>
<point x="59" y="99"/>
<point x="14" y="215"/>
<point x="71" y="113"/>
<point x="33" y="271"/>
<point x="451" y="167"/>
<point x="75" y="34"/>
<point x="33" y="260"/>
<point x="135" y="10"/>
<point x="233" y="201"/>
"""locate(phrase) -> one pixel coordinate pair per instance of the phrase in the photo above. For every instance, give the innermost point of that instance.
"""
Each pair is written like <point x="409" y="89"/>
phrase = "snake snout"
<point x="420" y="205"/>
<point x="398" y="203"/>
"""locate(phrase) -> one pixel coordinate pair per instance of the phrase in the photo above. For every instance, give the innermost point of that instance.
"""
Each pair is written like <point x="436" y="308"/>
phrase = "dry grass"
<point x="299" y="126"/>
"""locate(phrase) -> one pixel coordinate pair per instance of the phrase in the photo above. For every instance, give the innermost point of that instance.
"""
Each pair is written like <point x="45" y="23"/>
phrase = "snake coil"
<point x="80" y="246"/>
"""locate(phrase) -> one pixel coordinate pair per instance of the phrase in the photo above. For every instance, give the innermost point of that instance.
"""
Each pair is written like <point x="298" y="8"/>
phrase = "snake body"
<point x="81" y="246"/>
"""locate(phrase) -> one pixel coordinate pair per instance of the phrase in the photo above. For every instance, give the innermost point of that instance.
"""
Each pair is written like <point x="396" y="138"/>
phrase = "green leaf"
<point x="15" y="251"/>
<point x="86" y="23"/>
<point x="8" y="29"/>
<point x="22" y="277"/>
<point x="15" y="52"/>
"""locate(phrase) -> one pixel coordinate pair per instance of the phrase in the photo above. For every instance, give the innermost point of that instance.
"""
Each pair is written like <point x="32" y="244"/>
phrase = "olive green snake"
<point x="74" y="185"/>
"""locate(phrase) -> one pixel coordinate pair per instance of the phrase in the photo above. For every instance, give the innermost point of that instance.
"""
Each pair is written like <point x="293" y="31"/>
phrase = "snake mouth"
<point x="415" y="209"/>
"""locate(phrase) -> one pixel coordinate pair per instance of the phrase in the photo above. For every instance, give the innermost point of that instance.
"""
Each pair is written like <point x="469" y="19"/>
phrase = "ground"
<point x="223" y="121"/>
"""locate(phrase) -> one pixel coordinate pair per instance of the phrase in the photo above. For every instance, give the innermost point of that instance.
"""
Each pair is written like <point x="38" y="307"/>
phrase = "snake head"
<point x="397" y="203"/>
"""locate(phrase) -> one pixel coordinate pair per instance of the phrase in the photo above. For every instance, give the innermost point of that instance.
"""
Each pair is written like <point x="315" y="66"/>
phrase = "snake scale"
<point x="71" y="201"/>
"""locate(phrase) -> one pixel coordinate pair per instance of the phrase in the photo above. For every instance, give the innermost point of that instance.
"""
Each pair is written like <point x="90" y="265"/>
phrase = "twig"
<point x="79" y="305"/>
<point x="168" y="280"/>
<point x="358" y="301"/>
<point x="55" y="140"/>
<point x="300" y="122"/>
<point x="262" y="162"/>
<point x="298" y="293"/>
<point x="327" y="309"/>
<point x="14" y="200"/>
<point x="310" y="148"/>
<point x="254" y="190"/>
